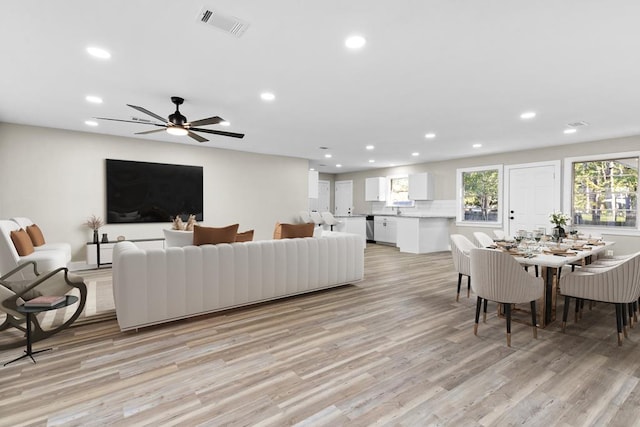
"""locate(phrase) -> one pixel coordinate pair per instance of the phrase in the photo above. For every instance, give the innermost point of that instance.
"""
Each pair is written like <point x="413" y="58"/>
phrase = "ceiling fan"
<point x="177" y="123"/>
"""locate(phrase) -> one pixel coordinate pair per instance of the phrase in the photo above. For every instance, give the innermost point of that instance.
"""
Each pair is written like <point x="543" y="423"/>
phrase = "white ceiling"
<point x="464" y="70"/>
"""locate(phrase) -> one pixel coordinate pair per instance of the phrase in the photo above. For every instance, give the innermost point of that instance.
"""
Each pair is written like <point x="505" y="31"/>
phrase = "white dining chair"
<point x="305" y="217"/>
<point x="617" y="284"/>
<point x="329" y="219"/>
<point x="500" y="234"/>
<point x="460" y="248"/>
<point x="316" y="218"/>
<point x="500" y="278"/>
<point x="483" y="239"/>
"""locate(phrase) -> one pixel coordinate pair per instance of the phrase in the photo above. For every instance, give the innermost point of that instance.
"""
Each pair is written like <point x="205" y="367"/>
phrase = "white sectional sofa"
<point x="160" y="285"/>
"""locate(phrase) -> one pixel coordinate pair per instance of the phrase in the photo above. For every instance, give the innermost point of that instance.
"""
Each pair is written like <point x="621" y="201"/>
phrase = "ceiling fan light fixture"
<point x="177" y="131"/>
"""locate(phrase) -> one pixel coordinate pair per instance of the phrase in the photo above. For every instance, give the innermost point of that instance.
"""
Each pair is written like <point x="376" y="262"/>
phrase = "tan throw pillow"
<point x="213" y="236"/>
<point x="22" y="242"/>
<point x="277" y="232"/>
<point x="245" y="236"/>
<point x="292" y="231"/>
<point x="35" y="234"/>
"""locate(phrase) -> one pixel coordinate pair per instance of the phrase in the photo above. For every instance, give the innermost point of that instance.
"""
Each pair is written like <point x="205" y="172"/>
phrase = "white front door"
<point x="533" y="193"/>
<point x="324" y="196"/>
<point x="343" y="198"/>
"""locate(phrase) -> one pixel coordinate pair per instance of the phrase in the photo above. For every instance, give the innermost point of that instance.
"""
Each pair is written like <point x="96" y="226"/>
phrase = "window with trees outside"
<point x="605" y="192"/>
<point x="399" y="191"/>
<point x="480" y="194"/>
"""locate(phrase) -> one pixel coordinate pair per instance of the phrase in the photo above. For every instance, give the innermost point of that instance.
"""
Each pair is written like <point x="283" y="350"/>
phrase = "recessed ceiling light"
<point x="477" y="145"/>
<point x="338" y="165"/>
<point x="372" y="161"/>
<point x="328" y="156"/>
<point x="369" y="147"/>
<point x="430" y="135"/>
<point x="528" y="115"/>
<point x="568" y="131"/>
<point x="312" y="169"/>
<point x="93" y="99"/>
<point x="224" y="123"/>
<point x="355" y="42"/>
<point x="416" y="154"/>
<point x="392" y="164"/>
<point x="98" y="52"/>
<point x="267" y="96"/>
<point x="90" y="123"/>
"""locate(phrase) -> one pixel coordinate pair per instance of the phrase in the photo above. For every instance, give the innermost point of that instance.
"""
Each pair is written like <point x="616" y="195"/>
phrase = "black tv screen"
<point x="152" y="192"/>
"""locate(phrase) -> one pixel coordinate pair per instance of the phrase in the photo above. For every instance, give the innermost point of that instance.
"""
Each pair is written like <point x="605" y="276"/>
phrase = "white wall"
<point x="57" y="178"/>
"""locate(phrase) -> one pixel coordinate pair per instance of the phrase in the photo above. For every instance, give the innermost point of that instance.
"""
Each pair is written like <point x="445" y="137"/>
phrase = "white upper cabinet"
<point x="375" y="190"/>
<point x="421" y="186"/>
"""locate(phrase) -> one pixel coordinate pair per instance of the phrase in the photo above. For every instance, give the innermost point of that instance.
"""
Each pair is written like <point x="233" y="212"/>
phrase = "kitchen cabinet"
<point x="385" y="229"/>
<point x="375" y="189"/>
<point x="422" y="235"/>
<point x="421" y="186"/>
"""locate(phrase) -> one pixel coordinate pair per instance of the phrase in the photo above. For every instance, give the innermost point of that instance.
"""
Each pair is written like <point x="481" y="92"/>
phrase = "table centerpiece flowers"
<point x="559" y="219"/>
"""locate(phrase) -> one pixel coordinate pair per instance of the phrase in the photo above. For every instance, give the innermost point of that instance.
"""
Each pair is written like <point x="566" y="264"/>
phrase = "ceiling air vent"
<point x="228" y="24"/>
<point x="577" y="124"/>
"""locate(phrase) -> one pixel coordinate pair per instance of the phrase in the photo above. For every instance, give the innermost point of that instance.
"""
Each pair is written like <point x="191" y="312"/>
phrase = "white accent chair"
<point x="329" y="219"/>
<point x="500" y="278"/>
<point x="618" y="284"/>
<point x="46" y="260"/>
<point x="500" y="234"/>
<point x="460" y="248"/>
<point x="483" y="239"/>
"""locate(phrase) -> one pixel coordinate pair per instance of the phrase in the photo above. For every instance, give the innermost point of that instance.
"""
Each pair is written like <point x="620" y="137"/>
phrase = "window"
<point x="480" y="195"/>
<point x="605" y="192"/>
<point x="399" y="191"/>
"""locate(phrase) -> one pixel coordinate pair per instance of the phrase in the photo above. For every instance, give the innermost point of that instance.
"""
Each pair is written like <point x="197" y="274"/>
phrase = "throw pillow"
<point x="292" y="231"/>
<point x="245" y="236"/>
<point x="35" y="234"/>
<point x="22" y="242"/>
<point x="213" y="235"/>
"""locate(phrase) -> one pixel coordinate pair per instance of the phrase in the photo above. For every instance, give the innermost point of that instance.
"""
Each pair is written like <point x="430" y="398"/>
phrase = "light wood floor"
<point x="395" y="349"/>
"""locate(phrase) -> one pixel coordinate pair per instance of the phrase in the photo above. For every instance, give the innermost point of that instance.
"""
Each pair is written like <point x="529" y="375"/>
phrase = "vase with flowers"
<point x="559" y="219"/>
<point x="94" y="223"/>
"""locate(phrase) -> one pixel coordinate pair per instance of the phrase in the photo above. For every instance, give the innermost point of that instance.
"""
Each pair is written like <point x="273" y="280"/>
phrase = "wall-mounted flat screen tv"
<point x="152" y="192"/>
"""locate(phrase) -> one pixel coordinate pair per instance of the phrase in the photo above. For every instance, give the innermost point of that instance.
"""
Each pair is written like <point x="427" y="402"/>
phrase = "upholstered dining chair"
<point x="460" y="248"/>
<point x="500" y="234"/>
<point x="483" y="239"/>
<point x="500" y="278"/>
<point x="618" y="284"/>
<point x="14" y="292"/>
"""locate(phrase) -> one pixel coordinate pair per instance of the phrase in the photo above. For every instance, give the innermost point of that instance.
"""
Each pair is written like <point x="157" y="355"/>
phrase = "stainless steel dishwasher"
<point x="370" y="235"/>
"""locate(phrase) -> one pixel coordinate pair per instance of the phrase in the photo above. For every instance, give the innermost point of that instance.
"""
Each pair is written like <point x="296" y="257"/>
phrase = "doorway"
<point x="343" y="198"/>
<point x="533" y="192"/>
<point x="324" y="196"/>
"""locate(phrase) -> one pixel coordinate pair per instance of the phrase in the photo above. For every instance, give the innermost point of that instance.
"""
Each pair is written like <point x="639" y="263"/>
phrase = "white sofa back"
<point x="159" y="285"/>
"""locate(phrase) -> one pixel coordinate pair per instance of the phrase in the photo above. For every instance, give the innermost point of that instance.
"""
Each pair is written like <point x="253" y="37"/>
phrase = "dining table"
<point x="550" y="260"/>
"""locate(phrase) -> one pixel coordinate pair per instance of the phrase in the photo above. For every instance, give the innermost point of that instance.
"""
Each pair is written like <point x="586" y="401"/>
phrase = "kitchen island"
<point x="355" y="224"/>
<point x="421" y="234"/>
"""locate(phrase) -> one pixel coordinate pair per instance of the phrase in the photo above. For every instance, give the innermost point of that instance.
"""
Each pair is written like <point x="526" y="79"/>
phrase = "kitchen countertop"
<point x="417" y="215"/>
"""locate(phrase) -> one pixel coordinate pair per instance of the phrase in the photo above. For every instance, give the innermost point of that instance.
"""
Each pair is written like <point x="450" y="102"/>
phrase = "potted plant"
<point x="94" y="223"/>
<point x="559" y="219"/>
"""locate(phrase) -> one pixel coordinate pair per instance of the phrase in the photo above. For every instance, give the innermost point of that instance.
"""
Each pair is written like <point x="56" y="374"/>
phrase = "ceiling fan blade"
<point x="150" y="131"/>
<point x="219" y="132"/>
<point x="144" y="110"/>
<point x="131" y="121"/>
<point x="210" y="121"/>
<point x="196" y="136"/>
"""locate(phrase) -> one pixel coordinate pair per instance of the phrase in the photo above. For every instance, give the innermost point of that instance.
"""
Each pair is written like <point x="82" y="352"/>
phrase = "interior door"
<point x="534" y="192"/>
<point x="324" y="196"/>
<point x="343" y="198"/>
